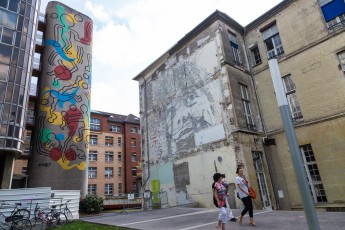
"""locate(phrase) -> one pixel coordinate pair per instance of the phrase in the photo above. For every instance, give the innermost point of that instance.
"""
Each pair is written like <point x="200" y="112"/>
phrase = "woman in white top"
<point x="242" y="188"/>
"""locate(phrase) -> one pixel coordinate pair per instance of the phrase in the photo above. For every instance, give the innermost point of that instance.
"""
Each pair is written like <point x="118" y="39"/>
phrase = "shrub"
<point x="92" y="203"/>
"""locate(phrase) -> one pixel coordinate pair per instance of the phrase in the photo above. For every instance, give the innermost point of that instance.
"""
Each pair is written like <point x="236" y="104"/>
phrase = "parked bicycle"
<point x="50" y="217"/>
<point x="18" y="218"/>
<point x="64" y="208"/>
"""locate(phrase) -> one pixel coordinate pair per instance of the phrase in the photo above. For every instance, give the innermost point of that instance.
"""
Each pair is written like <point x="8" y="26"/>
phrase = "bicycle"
<point x="17" y="220"/>
<point x="66" y="211"/>
<point x="52" y="217"/>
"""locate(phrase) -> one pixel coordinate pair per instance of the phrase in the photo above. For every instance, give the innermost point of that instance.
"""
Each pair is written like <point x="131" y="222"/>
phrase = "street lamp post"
<point x="307" y="200"/>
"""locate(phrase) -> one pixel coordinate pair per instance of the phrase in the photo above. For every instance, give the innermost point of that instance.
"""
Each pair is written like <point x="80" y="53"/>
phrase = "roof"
<point x="118" y="117"/>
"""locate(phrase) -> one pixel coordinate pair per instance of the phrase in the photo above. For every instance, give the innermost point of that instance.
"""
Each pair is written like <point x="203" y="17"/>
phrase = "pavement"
<point x="183" y="218"/>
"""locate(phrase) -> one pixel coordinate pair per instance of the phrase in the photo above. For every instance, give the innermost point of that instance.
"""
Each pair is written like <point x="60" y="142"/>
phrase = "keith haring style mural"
<point x="62" y="127"/>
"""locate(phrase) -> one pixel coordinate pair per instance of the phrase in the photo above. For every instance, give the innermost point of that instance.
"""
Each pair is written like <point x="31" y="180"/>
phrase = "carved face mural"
<point x="184" y="108"/>
<point x="64" y="112"/>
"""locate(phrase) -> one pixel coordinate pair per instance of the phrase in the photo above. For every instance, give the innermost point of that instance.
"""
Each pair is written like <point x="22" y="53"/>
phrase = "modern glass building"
<point x="18" y="27"/>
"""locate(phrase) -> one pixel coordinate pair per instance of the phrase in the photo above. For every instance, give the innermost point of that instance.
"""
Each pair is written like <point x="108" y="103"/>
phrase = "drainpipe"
<point x="268" y="159"/>
<point x="147" y="137"/>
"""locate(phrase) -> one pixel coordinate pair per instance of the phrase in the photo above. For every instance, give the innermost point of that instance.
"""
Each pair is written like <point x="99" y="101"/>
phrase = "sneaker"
<point x="233" y="219"/>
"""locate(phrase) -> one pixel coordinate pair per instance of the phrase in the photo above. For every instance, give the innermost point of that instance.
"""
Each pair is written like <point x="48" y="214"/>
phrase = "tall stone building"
<point x="114" y="154"/>
<point x="208" y="105"/>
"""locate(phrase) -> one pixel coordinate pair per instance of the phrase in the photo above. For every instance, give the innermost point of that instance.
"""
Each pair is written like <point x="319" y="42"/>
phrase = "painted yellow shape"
<point x="71" y="18"/>
<point x="55" y="118"/>
<point x="64" y="163"/>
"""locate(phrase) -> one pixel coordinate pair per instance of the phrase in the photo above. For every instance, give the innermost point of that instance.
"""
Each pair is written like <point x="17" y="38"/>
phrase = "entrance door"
<point x="261" y="178"/>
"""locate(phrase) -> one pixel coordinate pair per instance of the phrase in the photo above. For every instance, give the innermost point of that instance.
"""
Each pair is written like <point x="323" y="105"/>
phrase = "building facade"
<point x="114" y="154"/>
<point x="208" y="105"/>
<point x="18" y="26"/>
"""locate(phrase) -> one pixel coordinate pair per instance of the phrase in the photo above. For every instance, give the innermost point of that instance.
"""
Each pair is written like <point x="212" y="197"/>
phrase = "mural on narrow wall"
<point x="64" y="104"/>
<point x="184" y="95"/>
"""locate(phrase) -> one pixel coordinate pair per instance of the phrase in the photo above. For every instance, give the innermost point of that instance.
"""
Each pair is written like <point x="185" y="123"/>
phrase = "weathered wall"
<point x="311" y="58"/>
<point x="61" y="144"/>
<point x="186" y="134"/>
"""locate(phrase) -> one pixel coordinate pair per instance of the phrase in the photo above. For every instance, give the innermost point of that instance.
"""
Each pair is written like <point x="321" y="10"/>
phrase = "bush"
<point x="92" y="203"/>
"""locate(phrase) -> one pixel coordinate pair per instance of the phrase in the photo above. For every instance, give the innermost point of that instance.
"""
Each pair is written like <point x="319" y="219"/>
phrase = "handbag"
<point x="252" y="192"/>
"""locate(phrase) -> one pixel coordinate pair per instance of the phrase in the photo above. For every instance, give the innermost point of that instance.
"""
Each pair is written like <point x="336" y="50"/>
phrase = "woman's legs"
<point x="247" y="207"/>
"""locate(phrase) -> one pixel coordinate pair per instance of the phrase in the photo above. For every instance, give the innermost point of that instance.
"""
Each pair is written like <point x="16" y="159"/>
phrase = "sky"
<point x="128" y="35"/>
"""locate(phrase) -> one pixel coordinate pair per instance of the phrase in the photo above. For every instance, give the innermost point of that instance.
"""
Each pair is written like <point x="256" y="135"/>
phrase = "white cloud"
<point x="130" y="34"/>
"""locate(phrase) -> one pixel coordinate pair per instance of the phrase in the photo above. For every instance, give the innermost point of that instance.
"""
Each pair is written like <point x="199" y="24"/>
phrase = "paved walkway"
<point x="180" y="218"/>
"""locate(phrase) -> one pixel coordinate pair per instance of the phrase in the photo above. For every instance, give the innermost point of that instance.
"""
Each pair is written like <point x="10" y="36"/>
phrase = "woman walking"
<point x="243" y="192"/>
<point x="219" y="193"/>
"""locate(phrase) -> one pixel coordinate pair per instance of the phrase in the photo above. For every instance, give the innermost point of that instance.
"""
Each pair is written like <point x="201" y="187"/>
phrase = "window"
<point x="336" y="23"/>
<point x="290" y="91"/>
<point x="6" y="36"/>
<point x="273" y="43"/>
<point x="10" y="19"/>
<point x="119" y="141"/>
<point x="28" y="135"/>
<point x="120" y="187"/>
<point x="134" y="171"/>
<point x="133" y="142"/>
<point x="95" y="124"/>
<point x="134" y="187"/>
<point x="92" y="188"/>
<point x="92" y="172"/>
<point x="119" y="156"/>
<point x="109" y="141"/>
<point x="234" y="48"/>
<point x="341" y="57"/>
<point x="133" y="130"/>
<point x="247" y="107"/>
<point x="334" y="13"/>
<point x="109" y="172"/>
<point x="119" y="171"/>
<point x="93" y="139"/>
<point x="115" y="128"/>
<point x="313" y="174"/>
<point x="93" y="156"/>
<point x="108" y="189"/>
<point x="139" y="130"/>
<point x="109" y="156"/>
<point x="256" y="55"/>
<point x="261" y="179"/>
<point x="134" y="157"/>
<point x="24" y="170"/>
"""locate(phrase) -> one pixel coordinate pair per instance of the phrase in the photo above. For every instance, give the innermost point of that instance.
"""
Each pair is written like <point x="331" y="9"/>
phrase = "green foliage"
<point x="92" y="203"/>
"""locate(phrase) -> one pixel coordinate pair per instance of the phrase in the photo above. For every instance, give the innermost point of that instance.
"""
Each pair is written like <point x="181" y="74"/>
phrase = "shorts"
<point x="223" y="215"/>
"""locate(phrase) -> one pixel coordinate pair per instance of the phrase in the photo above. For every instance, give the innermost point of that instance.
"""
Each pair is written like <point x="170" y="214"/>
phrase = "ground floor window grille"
<point x="313" y="174"/>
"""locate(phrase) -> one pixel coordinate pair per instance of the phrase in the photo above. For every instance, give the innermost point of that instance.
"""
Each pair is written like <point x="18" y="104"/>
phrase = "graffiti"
<point x="64" y="111"/>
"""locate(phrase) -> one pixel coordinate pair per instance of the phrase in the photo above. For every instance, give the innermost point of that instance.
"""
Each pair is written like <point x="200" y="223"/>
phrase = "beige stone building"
<point x="208" y="105"/>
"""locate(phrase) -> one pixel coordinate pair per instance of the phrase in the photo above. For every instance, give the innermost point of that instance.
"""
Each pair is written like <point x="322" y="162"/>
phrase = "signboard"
<point x="131" y="196"/>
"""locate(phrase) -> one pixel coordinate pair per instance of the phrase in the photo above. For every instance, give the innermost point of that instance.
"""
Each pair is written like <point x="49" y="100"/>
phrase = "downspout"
<point x="268" y="159"/>
<point x="147" y="136"/>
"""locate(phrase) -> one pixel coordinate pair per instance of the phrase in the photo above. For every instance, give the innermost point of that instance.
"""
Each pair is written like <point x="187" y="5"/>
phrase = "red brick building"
<point x="114" y="154"/>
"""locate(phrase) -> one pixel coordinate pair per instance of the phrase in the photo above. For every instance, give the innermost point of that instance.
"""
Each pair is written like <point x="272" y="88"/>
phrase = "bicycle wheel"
<point x="22" y="224"/>
<point x="37" y="224"/>
<point x="21" y="214"/>
<point x="69" y="215"/>
<point x="57" y="219"/>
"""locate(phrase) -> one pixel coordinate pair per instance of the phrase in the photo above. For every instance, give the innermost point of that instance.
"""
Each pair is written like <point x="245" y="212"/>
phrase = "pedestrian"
<point x="229" y="214"/>
<point x="243" y="192"/>
<point x="219" y="193"/>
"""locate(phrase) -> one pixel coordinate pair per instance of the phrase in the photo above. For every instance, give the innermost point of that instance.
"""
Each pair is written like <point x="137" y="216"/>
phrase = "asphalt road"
<point x="181" y="218"/>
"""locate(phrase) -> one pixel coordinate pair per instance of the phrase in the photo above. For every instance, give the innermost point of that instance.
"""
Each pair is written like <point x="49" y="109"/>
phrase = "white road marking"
<point x="214" y="222"/>
<point x="169" y="217"/>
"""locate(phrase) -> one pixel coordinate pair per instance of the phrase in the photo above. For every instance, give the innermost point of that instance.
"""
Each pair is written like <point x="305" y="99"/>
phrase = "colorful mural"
<point x="64" y="104"/>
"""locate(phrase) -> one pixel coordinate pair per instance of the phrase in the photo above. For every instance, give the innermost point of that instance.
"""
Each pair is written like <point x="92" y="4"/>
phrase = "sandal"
<point x="252" y="224"/>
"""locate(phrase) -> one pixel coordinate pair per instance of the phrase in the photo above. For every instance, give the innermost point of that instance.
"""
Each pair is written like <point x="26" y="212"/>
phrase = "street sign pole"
<point x="307" y="200"/>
